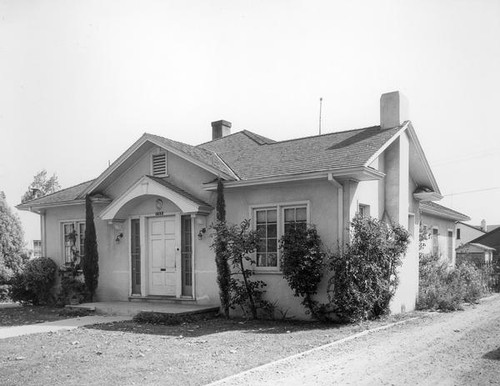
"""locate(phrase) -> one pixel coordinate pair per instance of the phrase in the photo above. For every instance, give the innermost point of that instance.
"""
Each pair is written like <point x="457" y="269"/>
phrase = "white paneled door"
<point x="162" y="256"/>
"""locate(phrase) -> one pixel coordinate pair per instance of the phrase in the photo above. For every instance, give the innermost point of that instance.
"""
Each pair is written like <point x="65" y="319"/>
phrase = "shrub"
<point x="73" y="290"/>
<point x="365" y="275"/>
<point x="446" y="288"/>
<point x="161" y="318"/>
<point x="302" y="262"/>
<point x="34" y="283"/>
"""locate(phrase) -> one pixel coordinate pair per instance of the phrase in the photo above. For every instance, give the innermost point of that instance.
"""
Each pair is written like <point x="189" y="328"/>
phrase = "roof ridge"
<point x="332" y="133"/>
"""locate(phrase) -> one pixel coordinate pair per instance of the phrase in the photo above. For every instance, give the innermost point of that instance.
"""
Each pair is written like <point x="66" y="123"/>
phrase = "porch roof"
<point x="148" y="185"/>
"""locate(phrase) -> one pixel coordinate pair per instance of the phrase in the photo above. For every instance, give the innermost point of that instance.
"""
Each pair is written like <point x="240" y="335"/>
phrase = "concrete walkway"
<point x="58" y="325"/>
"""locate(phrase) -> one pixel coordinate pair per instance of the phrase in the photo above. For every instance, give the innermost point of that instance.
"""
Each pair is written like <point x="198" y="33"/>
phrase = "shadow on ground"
<point x="495" y="354"/>
<point x="217" y="325"/>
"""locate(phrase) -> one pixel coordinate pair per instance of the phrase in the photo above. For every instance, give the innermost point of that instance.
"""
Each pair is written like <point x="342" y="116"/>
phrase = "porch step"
<point x="161" y="299"/>
<point x="133" y="308"/>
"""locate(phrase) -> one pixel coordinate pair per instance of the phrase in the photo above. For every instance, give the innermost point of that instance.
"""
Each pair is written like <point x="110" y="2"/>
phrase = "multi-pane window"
<point x="295" y="218"/>
<point x="272" y="223"/>
<point x="37" y="248"/>
<point x="73" y="241"/>
<point x="267" y="226"/>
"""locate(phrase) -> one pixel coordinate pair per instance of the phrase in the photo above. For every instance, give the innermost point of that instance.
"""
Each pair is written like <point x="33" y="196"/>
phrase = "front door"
<point x="162" y="256"/>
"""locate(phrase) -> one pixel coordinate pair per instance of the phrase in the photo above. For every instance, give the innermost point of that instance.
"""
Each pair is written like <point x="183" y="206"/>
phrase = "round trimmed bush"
<point x="34" y="283"/>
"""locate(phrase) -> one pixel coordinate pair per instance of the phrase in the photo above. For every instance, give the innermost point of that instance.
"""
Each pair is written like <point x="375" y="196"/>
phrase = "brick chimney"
<point x="220" y="129"/>
<point x="393" y="109"/>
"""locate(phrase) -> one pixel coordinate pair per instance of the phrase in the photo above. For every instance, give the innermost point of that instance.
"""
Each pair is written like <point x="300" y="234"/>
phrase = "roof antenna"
<point x="320" y="105"/>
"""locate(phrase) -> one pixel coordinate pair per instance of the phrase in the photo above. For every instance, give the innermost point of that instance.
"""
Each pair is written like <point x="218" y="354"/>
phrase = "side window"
<point x="267" y="226"/>
<point x="364" y="210"/>
<point x="271" y="223"/>
<point x="435" y="241"/>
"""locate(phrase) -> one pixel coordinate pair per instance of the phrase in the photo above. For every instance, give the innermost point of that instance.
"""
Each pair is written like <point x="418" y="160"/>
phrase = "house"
<point x="476" y="253"/>
<point x="466" y="233"/>
<point x="154" y="205"/>
<point x="440" y="225"/>
<point x="485" y="244"/>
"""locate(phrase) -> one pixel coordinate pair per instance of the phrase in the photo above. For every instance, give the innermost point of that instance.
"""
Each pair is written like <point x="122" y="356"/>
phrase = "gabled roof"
<point x="204" y="158"/>
<point x="346" y="149"/>
<point x="179" y="191"/>
<point x="148" y="185"/>
<point x="442" y="211"/>
<point x="490" y="239"/>
<point x="248" y="158"/>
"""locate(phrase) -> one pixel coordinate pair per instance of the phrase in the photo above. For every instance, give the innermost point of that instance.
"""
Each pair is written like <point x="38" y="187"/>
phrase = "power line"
<point x="471" y="191"/>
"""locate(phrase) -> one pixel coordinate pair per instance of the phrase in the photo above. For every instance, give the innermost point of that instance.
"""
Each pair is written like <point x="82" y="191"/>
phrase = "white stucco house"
<point x="154" y="205"/>
<point x="440" y="224"/>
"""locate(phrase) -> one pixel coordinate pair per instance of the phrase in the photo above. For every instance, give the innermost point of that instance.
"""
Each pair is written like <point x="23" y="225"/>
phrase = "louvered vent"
<point x="159" y="165"/>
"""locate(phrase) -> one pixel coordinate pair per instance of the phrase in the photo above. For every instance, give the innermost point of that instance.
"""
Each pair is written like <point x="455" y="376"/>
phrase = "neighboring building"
<point x="154" y="204"/>
<point x="491" y="240"/>
<point x="439" y="222"/>
<point x="478" y="254"/>
<point x="466" y="233"/>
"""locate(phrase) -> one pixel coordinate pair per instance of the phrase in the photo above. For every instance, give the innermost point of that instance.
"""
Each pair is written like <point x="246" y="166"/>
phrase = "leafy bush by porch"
<point x="34" y="283"/>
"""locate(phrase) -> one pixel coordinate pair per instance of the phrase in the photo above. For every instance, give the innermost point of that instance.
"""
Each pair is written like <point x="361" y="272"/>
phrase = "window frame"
<point x="76" y="226"/>
<point x="280" y="213"/>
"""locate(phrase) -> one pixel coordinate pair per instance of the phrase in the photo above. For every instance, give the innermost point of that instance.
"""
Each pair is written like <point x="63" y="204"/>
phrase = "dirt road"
<point x="461" y="348"/>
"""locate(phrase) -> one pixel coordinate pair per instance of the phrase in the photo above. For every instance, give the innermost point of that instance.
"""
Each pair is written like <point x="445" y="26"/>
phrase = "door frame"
<point x="145" y="253"/>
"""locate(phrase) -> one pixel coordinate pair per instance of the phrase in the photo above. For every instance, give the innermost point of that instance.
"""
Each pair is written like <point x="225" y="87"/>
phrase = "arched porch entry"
<point x="160" y="221"/>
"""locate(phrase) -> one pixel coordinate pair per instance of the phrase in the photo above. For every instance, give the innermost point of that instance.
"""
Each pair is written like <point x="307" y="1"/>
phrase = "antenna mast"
<point x="320" y="105"/>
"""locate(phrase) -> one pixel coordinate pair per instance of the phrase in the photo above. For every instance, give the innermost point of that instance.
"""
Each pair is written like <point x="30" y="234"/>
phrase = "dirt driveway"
<point x="461" y="348"/>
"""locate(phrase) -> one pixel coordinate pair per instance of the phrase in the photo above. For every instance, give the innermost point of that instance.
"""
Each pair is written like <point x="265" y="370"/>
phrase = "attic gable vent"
<point x="159" y="165"/>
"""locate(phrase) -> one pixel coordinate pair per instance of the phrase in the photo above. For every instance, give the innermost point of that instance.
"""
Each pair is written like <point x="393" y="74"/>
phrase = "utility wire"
<point x="471" y="191"/>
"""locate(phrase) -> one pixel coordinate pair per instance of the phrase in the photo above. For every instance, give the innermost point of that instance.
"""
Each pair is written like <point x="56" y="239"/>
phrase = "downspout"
<point x="43" y="233"/>
<point x="340" y="209"/>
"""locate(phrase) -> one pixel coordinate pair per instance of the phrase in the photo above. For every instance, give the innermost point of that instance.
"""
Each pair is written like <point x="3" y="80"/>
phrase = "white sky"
<point x="80" y="81"/>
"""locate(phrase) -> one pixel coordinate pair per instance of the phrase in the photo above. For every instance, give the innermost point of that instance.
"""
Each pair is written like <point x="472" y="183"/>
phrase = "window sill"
<point x="258" y="272"/>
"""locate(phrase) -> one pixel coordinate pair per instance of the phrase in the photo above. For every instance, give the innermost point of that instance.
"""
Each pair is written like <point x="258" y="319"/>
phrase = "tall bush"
<point x="34" y="283"/>
<point x="240" y="242"/>
<point x="90" y="260"/>
<point x="303" y="263"/>
<point x="365" y="276"/>
<point x="220" y="246"/>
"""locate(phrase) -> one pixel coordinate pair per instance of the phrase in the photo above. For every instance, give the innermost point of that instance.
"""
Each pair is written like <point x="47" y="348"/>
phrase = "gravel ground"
<point x="128" y="353"/>
<point x="461" y="348"/>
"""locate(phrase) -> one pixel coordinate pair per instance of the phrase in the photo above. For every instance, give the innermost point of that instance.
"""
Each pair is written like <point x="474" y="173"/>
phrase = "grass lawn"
<point x="128" y="353"/>
<point x="19" y="316"/>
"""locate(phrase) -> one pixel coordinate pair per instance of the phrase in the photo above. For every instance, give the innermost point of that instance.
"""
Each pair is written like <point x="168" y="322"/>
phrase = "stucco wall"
<point x="322" y="198"/>
<point x="443" y="226"/>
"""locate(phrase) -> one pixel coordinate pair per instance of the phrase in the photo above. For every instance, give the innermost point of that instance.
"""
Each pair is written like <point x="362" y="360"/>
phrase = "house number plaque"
<point x="159" y="206"/>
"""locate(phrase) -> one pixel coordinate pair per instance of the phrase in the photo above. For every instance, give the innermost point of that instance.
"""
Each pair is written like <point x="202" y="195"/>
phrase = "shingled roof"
<point x="246" y="155"/>
<point x="250" y="159"/>
<point x="64" y="195"/>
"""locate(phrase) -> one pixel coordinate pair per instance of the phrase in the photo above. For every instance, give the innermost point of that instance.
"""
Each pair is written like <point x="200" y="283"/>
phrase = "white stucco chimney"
<point x="393" y="109"/>
<point x="220" y="129"/>
<point x="483" y="225"/>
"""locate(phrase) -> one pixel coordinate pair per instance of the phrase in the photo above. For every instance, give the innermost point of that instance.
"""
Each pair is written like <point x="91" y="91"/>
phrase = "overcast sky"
<point x="80" y="81"/>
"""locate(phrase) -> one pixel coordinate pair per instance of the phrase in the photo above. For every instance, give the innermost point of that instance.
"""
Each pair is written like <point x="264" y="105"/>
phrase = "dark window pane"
<point x="272" y="230"/>
<point x="272" y="216"/>
<point x="301" y="214"/>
